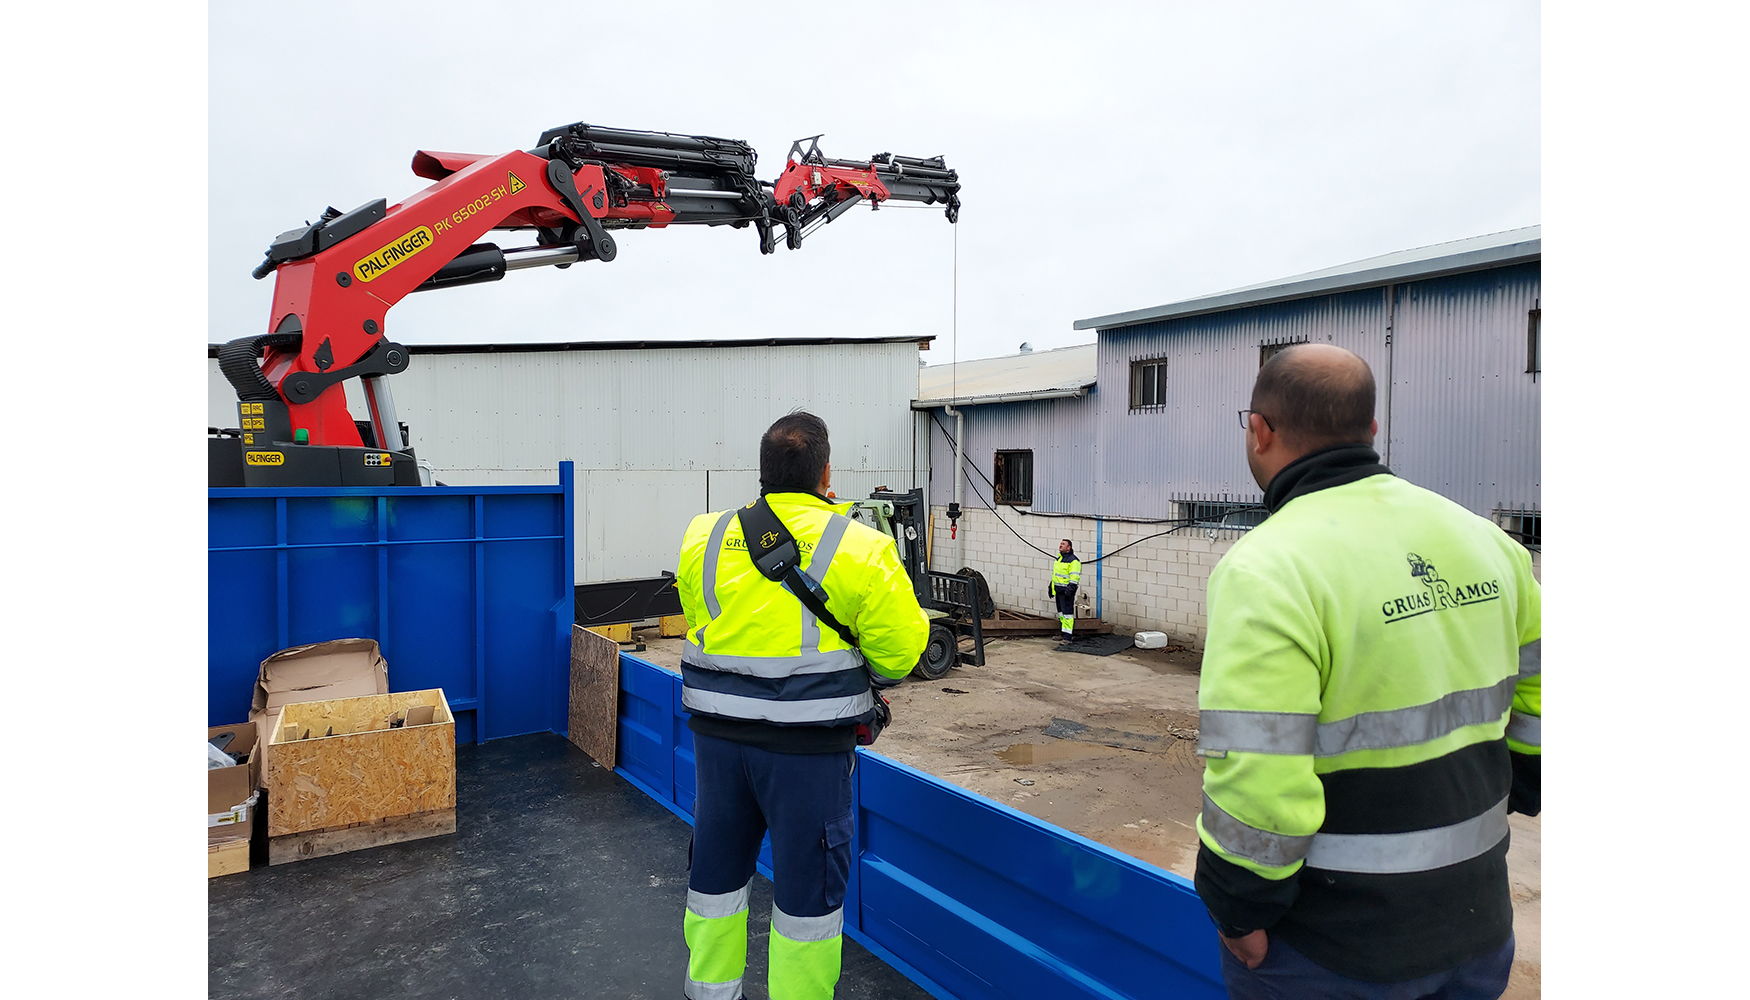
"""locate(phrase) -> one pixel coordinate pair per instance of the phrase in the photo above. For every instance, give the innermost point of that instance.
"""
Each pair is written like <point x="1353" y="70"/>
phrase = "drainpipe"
<point x="1391" y="322"/>
<point x="959" y="486"/>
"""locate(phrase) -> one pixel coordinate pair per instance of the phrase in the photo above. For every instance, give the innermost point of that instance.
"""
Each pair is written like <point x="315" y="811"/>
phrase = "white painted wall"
<point x="657" y="435"/>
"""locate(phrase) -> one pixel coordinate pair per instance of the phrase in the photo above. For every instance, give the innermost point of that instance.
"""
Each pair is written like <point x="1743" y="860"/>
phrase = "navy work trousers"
<point x="1287" y="974"/>
<point x="802" y="799"/>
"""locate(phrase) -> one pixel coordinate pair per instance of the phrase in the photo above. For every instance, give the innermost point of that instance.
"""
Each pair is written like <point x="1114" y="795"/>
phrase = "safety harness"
<point x="777" y="557"/>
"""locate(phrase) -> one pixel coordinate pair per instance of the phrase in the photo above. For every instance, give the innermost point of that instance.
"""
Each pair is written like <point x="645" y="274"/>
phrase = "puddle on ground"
<point x="1039" y="753"/>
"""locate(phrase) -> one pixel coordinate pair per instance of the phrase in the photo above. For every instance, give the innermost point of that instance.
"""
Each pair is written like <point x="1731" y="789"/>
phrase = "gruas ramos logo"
<point x="1437" y="594"/>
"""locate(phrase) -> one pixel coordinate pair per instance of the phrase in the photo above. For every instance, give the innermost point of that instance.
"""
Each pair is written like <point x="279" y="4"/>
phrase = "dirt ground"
<point x="1103" y="746"/>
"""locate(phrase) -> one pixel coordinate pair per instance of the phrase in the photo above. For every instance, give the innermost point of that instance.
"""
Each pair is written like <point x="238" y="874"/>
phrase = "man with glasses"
<point x="1370" y="710"/>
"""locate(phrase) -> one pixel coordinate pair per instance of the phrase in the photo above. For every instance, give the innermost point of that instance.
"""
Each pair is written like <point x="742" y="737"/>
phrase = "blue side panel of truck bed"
<point x="468" y="589"/>
<point x="970" y="898"/>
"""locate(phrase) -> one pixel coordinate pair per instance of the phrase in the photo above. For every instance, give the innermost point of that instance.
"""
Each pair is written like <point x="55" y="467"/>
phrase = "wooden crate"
<point x="227" y="857"/>
<point x="368" y="784"/>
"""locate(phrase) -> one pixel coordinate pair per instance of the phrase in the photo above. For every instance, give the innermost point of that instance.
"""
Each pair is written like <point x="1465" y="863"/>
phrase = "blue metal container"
<point x="468" y="589"/>
<point x="971" y="899"/>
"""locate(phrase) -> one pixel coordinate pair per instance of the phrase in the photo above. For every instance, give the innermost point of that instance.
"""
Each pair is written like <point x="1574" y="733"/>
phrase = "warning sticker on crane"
<point x="516" y="184"/>
<point x="379" y="263"/>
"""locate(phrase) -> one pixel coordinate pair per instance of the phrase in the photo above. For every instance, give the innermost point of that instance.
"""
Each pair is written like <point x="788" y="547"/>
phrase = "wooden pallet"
<point x="319" y="843"/>
<point x="1015" y="623"/>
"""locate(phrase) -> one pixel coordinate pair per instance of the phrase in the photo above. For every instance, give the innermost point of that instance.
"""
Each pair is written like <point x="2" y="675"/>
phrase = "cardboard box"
<point x="341" y="775"/>
<point x="229" y="788"/>
<point x="339" y="668"/>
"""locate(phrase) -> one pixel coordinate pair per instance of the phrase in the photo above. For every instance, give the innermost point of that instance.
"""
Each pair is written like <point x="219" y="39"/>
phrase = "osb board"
<point x="595" y="695"/>
<point x="227" y="857"/>
<point x="352" y="778"/>
<point x="316" y="844"/>
<point x="356" y="715"/>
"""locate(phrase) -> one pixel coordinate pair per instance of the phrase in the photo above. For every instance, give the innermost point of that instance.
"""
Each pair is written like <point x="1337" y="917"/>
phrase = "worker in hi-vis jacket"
<point x="776" y="697"/>
<point x="1066" y="577"/>
<point x="1370" y="711"/>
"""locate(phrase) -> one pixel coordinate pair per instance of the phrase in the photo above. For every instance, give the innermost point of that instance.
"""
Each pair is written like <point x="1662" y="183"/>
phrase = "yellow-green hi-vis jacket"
<point x="1373" y="655"/>
<point x="754" y="653"/>
<point x="1065" y="572"/>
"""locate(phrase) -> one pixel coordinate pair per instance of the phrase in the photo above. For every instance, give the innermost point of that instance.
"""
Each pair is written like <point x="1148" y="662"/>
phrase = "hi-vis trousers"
<point x="1066" y="609"/>
<point x="804" y="800"/>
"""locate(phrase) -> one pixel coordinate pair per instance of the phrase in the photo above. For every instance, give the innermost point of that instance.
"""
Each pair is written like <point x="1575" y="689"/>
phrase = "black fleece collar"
<point x="1338" y="465"/>
<point x="1069" y="556"/>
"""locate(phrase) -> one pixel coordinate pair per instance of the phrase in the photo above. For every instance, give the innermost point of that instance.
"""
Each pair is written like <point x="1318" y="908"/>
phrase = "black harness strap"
<point x="778" y="559"/>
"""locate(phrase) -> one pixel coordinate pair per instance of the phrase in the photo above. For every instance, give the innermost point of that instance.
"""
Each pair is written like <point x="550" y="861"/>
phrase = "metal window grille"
<point x="1522" y="523"/>
<point x="1013" y="477"/>
<point x="1219" y="513"/>
<point x="1268" y="351"/>
<point x="1148" y="383"/>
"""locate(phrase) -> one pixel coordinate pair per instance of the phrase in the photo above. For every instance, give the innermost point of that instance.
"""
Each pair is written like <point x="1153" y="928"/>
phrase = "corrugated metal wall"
<point x="1060" y="433"/>
<point x="1194" y="444"/>
<point x="1466" y="418"/>
<point x="1463" y="415"/>
<point x="657" y="435"/>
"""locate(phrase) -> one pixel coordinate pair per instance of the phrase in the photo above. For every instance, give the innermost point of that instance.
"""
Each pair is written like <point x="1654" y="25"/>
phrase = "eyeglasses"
<point x="1246" y="420"/>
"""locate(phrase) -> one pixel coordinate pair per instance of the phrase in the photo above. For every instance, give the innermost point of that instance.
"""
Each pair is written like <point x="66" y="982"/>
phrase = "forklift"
<point x="956" y="603"/>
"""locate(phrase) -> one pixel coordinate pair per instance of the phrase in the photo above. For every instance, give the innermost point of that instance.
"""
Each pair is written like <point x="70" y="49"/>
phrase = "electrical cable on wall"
<point x="1177" y="522"/>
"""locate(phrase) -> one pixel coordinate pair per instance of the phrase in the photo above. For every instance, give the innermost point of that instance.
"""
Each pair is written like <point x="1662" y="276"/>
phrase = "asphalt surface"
<point x="562" y="880"/>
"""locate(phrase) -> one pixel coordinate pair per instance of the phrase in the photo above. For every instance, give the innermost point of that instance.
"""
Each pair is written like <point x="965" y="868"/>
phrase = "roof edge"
<point x="937" y="402"/>
<point x="1471" y="260"/>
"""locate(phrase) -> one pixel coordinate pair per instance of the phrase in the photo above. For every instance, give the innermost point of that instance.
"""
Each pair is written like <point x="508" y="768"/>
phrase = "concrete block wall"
<point x="1159" y="584"/>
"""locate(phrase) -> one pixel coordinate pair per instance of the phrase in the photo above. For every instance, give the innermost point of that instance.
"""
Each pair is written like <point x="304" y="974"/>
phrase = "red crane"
<point x="335" y="280"/>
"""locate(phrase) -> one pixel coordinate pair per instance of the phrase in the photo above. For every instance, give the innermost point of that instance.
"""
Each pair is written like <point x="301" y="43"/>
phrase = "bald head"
<point x="1316" y="396"/>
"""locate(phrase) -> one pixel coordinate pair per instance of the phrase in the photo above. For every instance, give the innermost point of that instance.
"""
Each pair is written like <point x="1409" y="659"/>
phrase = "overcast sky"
<point x="1111" y="158"/>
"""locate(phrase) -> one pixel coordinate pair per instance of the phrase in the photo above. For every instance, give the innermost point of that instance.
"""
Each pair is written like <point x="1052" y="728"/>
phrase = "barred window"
<point x="1222" y="513"/>
<point x="1534" y="342"/>
<point x="1268" y="351"/>
<point x="1013" y="477"/>
<point x="1524" y="525"/>
<point x="1148" y="383"/>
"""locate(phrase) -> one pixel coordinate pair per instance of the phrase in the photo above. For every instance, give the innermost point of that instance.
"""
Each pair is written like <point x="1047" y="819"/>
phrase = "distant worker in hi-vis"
<point x="1066" y="578"/>
<point x="1370" y="710"/>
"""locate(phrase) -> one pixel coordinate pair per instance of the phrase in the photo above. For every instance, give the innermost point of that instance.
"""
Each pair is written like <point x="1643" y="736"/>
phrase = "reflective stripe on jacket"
<point x="755" y="653"/>
<point x="1065" y="571"/>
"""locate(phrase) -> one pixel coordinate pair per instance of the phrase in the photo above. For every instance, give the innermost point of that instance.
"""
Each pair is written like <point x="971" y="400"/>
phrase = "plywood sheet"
<point x="595" y="695"/>
<point x="366" y="772"/>
<point x="227" y="857"/>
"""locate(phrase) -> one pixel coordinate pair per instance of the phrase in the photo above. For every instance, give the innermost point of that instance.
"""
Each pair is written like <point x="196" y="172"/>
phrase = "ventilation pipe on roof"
<point x="959" y="486"/>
